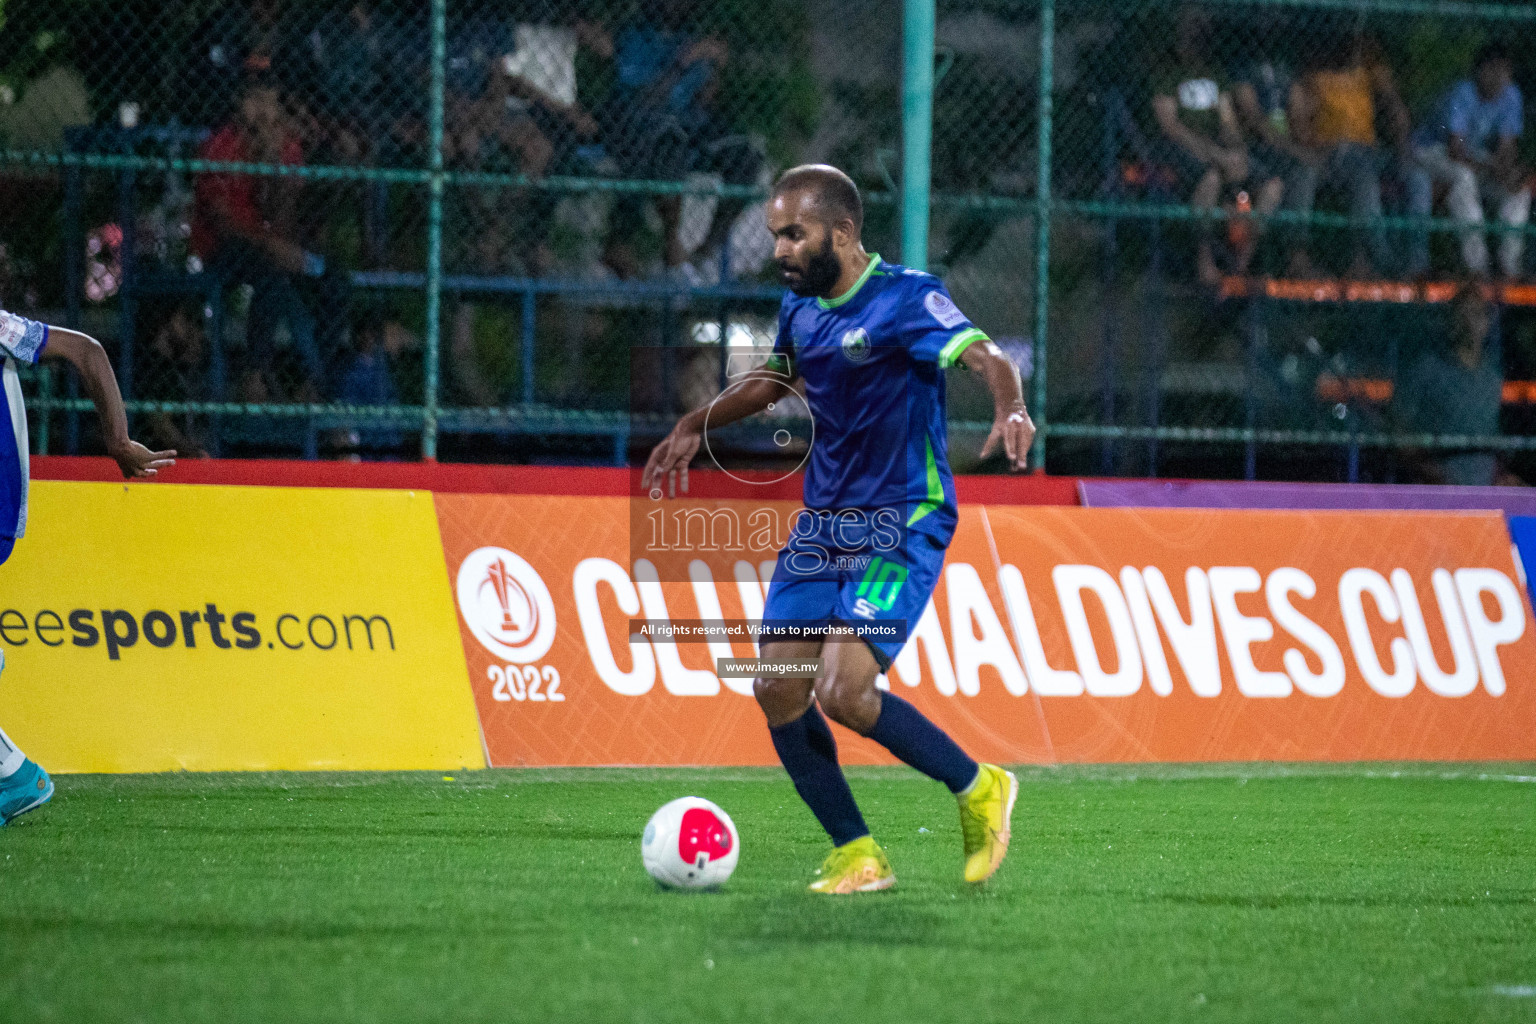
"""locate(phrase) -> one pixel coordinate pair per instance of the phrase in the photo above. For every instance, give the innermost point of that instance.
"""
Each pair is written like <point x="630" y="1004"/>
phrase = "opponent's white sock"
<point x="11" y="757"/>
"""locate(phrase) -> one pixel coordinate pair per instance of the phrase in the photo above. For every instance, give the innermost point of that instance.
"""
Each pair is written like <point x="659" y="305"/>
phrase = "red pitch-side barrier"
<point x="465" y="478"/>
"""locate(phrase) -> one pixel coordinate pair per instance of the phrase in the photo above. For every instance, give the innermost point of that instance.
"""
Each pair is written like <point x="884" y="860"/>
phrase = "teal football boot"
<point x="27" y="789"/>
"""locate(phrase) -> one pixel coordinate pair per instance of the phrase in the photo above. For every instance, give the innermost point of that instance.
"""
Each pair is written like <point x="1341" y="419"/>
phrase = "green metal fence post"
<point x="1043" y="228"/>
<point x="917" y="33"/>
<point x="45" y="409"/>
<point x="434" y="280"/>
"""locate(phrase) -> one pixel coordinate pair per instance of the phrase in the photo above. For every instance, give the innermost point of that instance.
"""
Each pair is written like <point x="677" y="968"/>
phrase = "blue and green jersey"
<point x="873" y="361"/>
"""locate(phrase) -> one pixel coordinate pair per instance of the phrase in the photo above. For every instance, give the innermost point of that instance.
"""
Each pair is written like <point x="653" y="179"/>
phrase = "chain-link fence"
<point x="1289" y="240"/>
<point x="356" y="228"/>
<point x="314" y="227"/>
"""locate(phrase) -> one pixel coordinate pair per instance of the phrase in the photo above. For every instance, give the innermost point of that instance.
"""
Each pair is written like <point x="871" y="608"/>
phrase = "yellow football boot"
<point x="986" y="821"/>
<point x="859" y="866"/>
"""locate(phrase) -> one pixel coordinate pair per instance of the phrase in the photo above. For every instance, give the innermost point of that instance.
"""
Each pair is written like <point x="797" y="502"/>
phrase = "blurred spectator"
<point x="173" y="368"/>
<point x="360" y="83"/>
<point x="479" y="133"/>
<point x="534" y="93"/>
<point x="660" y="125"/>
<point x="244" y="229"/>
<point x="516" y="107"/>
<point x="367" y="377"/>
<point x="512" y="107"/>
<point x="1192" y="101"/>
<point x="58" y="99"/>
<point x="1469" y="146"/>
<point x="470" y="368"/>
<point x="15" y="291"/>
<point x="228" y="42"/>
<point x="501" y="225"/>
<point x="1456" y="387"/>
<point x="1265" y="91"/>
<point x="1335" y="113"/>
<point x="539" y="79"/>
<point x="367" y="78"/>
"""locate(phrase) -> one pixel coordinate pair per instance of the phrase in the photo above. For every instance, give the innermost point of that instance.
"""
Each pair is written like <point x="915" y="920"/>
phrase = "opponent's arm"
<point x="671" y="457"/>
<point x="1011" y="424"/>
<point x="88" y="357"/>
<point x="1165" y="109"/>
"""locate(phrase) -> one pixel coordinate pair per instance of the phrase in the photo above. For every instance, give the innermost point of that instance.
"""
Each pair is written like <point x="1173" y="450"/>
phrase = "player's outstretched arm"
<point x="670" y="459"/>
<point x="1011" y="425"/>
<point x="87" y="356"/>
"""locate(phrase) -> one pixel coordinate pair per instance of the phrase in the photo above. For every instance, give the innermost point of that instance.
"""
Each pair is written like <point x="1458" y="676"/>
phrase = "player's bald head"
<point x="832" y="193"/>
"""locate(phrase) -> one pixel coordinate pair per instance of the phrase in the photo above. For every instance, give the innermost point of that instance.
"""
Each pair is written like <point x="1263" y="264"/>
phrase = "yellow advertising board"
<point x="156" y="627"/>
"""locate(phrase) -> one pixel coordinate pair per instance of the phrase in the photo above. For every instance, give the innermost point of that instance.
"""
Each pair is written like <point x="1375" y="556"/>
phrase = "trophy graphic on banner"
<point x="512" y="598"/>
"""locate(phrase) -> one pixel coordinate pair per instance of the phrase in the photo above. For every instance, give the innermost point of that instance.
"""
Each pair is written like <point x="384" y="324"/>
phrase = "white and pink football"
<point x="690" y="843"/>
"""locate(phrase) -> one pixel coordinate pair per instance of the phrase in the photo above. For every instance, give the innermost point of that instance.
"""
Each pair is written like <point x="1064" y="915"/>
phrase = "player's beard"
<point x="821" y="272"/>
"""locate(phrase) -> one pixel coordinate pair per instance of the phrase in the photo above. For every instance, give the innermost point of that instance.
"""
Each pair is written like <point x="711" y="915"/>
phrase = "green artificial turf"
<point x="1132" y="894"/>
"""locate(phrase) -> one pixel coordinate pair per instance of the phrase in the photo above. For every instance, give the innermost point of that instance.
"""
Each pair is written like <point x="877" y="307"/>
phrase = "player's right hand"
<point x="135" y="460"/>
<point x="669" y="460"/>
<point x="1015" y="431"/>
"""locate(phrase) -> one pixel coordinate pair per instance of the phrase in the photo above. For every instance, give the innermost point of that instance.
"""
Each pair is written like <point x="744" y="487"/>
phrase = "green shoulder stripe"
<point x="950" y="354"/>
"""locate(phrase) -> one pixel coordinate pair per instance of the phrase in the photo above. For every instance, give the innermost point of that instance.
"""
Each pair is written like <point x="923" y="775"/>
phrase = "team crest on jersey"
<point x="856" y="345"/>
<point x="943" y="309"/>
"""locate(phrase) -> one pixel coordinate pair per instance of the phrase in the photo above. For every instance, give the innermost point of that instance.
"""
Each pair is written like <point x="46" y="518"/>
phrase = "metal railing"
<point x="1074" y="193"/>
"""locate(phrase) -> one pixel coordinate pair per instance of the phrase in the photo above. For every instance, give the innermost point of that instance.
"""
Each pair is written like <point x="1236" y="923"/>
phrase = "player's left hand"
<point x="1015" y="431"/>
<point x="135" y="460"/>
<point x="669" y="460"/>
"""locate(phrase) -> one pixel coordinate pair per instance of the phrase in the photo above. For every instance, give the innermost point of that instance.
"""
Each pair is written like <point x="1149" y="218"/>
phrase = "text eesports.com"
<point x="118" y="630"/>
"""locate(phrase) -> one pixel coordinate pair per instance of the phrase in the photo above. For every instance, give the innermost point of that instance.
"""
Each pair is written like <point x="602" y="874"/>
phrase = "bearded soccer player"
<point x="871" y="340"/>
<point x="24" y="786"/>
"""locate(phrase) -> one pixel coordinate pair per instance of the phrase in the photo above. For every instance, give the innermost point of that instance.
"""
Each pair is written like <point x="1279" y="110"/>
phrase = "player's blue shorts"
<point x="6" y="546"/>
<point x="880" y="594"/>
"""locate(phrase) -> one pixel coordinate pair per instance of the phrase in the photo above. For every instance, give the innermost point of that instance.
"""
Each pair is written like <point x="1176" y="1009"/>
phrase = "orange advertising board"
<point x="1054" y="635"/>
